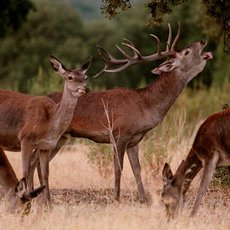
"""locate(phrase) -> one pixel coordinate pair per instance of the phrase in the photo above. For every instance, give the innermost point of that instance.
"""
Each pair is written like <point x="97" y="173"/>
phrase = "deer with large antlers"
<point x="17" y="195"/>
<point x="210" y="149"/>
<point x="134" y="111"/>
<point x="34" y="124"/>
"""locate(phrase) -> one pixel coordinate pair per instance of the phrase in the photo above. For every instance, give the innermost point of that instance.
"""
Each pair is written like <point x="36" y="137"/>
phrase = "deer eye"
<point x="186" y="52"/>
<point x="70" y="78"/>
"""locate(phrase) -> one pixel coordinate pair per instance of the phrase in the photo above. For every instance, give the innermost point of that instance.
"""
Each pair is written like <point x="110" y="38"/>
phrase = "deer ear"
<point x="34" y="193"/>
<point x="166" y="67"/>
<point x="167" y="174"/>
<point x="22" y="193"/>
<point x="57" y="65"/>
<point x="20" y="188"/>
<point x="85" y="66"/>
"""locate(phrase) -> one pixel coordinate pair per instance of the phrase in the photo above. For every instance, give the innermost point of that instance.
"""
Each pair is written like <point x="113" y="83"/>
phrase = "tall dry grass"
<point x="82" y="192"/>
<point x="70" y="170"/>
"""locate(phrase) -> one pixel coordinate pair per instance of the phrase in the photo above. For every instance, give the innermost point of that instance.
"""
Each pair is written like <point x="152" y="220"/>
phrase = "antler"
<point x="113" y="65"/>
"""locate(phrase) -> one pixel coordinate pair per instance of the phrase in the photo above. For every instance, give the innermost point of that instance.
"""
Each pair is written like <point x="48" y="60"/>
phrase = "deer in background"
<point x="134" y="112"/>
<point x="19" y="199"/>
<point x="210" y="149"/>
<point x="34" y="124"/>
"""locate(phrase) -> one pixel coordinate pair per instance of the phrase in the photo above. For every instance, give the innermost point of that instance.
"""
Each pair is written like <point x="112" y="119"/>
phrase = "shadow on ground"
<point x="102" y="197"/>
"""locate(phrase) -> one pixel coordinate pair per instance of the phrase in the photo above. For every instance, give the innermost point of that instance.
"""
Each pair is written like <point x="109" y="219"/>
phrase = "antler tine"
<point x="123" y="52"/>
<point x="102" y="71"/>
<point x="129" y="44"/>
<point x="108" y="58"/>
<point x="105" y="55"/>
<point x="128" y="41"/>
<point x="169" y="38"/>
<point x="158" y="43"/>
<point x="134" y="49"/>
<point x="105" y="69"/>
<point x="176" y="38"/>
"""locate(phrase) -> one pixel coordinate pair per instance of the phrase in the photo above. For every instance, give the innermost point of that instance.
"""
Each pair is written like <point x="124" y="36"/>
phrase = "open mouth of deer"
<point x="205" y="55"/>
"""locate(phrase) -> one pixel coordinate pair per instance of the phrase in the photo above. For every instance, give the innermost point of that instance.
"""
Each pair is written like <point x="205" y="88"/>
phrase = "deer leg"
<point x="209" y="169"/>
<point x="118" y="167"/>
<point x="33" y="163"/>
<point x="52" y="154"/>
<point x="44" y="163"/>
<point x="60" y="143"/>
<point x="26" y="149"/>
<point x="135" y="164"/>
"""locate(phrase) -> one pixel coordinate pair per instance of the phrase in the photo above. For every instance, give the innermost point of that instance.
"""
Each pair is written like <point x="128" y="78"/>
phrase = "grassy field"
<point x="81" y="179"/>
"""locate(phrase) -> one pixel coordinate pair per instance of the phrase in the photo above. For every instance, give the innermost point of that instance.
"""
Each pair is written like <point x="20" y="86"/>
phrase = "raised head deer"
<point x="211" y="148"/>
<point x="17" y="195"/>
<point x="134" y="112"/>
<point x="34" y="124"/>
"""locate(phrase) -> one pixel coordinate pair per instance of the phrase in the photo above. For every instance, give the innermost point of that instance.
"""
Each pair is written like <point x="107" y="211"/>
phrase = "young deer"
<point x="17" y="195"/>
<point x="211" y="148"/>
<point x="34" y="124"/>
<point x="134" y="112"/>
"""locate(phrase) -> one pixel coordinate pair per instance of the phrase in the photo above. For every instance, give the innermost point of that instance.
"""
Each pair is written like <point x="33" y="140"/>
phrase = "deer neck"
<point x="162" y="93"/>
<point x="193" y="166"/>
<point x="63" y="113"/>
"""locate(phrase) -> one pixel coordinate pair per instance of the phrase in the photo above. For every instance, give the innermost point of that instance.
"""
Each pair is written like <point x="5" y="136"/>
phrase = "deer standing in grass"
<point x="34" y="124"/>
<point x="211" y="148"/>
<point x="134" y="112"/>
<point x="17" y="195"/>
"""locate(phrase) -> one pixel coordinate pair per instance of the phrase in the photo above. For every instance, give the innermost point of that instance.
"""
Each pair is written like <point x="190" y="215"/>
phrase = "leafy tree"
<point x="12" y="14"/>
<point x="217" y="9"/>
<point x="51" y="29"/>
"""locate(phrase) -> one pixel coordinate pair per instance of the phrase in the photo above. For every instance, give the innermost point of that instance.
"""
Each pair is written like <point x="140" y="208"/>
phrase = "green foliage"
<point x="46" y="82"/>
<point x="110" y="8"/>
<point x="88" y="10"/>
<point x="47" y="31"/>
<point x="159" y="8"/>
<point x="222" y="176"/>
<point x="217" y="10"/>
<point x="102" y="157"/>
<point x="12" y="14"/>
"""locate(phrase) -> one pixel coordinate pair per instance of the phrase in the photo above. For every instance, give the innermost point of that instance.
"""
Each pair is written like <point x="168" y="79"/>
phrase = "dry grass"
<point x="84" y="200"/>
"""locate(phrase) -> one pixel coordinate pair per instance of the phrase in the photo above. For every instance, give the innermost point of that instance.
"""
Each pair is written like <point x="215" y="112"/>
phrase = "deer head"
<point x="75" y="80"/>
<point x="187" y="62"/>
<point x="172" y="195"/>
<point x="20" y="199"/>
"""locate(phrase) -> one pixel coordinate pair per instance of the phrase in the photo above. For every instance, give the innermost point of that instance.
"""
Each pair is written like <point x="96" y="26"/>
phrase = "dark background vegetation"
<point x="71" y="29"/>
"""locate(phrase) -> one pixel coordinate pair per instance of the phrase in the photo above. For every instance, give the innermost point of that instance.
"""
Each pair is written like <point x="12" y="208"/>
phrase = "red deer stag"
<point x="211" y="148"/>
<point x="135" y="111"/>
<point x="17" y="196"/>
<point x="34" y="124"/>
